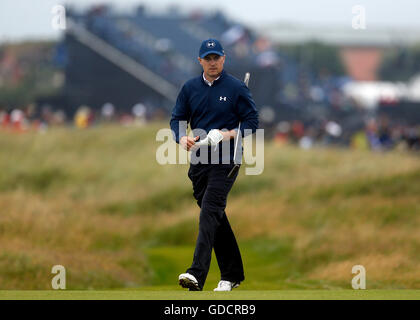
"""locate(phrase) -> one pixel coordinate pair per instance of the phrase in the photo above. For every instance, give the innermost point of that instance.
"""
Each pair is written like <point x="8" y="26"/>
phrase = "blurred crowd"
<point x="28" y="119"/>
<point x="378" y="134"/>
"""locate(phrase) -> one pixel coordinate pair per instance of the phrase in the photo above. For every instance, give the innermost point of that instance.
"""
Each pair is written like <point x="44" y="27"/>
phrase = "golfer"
<point x="213" y="103"/>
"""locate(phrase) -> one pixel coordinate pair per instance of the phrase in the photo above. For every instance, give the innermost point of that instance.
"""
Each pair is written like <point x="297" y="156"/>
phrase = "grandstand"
<point x="145" y="58"/>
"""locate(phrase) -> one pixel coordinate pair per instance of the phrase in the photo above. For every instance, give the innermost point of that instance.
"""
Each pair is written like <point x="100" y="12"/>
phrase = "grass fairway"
<point x="208" y="295"/>
<point x="97" y="202"/>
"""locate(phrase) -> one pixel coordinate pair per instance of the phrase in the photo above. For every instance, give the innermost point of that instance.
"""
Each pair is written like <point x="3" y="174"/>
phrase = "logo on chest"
<point x="222" y="98"/>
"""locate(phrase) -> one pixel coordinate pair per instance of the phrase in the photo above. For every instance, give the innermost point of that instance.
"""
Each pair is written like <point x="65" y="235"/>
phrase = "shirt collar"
<point x="211" y="83"/>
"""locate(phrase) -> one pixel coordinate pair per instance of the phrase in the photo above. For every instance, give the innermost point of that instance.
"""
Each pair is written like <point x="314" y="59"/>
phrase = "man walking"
<point x="213" y="103"/>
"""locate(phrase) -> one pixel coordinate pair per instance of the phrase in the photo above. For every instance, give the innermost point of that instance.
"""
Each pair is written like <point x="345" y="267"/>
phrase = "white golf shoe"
<point x="187" y="280"/>
<point x="225" y="285"/>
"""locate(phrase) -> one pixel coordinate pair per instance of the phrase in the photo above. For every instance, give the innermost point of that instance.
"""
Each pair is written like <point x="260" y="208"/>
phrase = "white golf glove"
<point x="213" y="138"/>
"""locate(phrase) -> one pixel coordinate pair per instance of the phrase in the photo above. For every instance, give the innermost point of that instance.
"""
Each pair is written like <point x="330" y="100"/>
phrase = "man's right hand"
<point x="187" y="142"/>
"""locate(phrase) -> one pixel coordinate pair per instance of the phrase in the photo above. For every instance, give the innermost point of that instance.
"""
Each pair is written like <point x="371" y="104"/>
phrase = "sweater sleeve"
<point x="247" y="111"/>
<point x="180" y="116"/>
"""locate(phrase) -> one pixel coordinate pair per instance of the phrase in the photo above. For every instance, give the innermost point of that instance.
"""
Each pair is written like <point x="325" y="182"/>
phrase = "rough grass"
<point x="97" y="202"/>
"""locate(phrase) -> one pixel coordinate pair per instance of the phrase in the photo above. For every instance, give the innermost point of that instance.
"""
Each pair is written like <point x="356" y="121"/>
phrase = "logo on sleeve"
<point x="222" y="98"/>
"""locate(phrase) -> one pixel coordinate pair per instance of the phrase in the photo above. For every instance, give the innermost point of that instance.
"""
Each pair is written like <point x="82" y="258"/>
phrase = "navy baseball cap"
<point x="211" y="46"/>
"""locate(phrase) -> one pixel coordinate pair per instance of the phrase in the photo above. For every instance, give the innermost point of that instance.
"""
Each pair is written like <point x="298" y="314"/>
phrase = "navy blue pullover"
<point x="220" y="106"/>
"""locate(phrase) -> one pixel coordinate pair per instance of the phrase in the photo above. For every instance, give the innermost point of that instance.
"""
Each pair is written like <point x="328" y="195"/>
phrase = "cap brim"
<point x="210" y="52"/>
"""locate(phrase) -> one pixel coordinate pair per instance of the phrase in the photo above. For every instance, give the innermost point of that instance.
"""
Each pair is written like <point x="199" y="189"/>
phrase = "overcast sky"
<point x="31" y="19"/>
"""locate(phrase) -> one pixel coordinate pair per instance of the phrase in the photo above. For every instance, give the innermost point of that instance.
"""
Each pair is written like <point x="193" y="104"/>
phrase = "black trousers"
<point x="211" y="187"/>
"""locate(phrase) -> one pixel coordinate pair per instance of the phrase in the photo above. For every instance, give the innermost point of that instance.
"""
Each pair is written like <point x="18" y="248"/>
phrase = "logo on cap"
<point x="211" y="44"/>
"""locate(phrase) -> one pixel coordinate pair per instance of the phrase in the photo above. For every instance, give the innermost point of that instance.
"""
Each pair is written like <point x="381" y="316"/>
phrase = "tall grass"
<point x="97" y="202"/>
